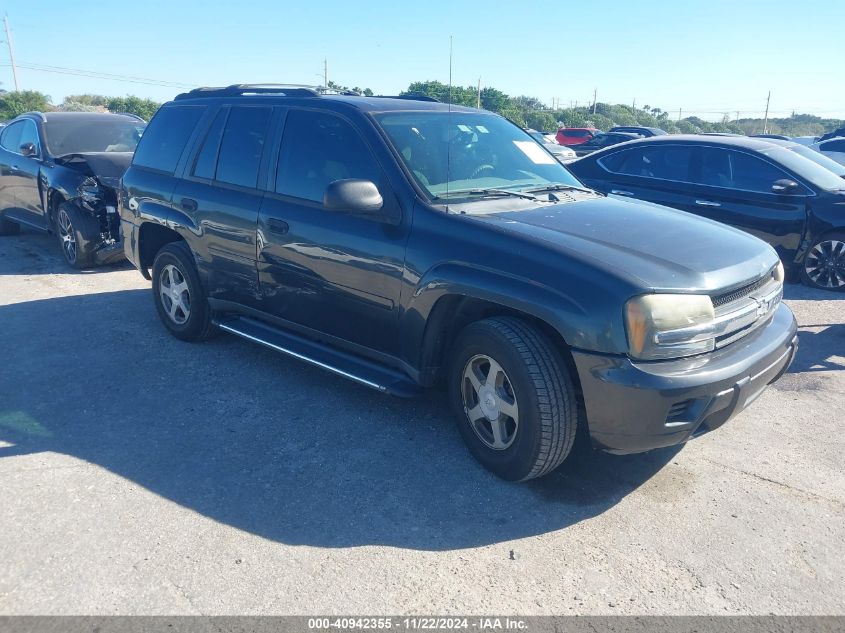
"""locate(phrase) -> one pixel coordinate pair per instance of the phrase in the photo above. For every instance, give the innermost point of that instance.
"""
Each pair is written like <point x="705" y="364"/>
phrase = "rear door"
<point x="656" y="172"/>
<point x="333" y="272"/>
<point x="735" y="187"/>
<point x="220" y="192"/>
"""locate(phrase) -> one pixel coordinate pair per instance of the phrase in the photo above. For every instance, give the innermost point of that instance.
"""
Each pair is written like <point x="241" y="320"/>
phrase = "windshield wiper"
<point x="494" y="192"/>
<point x="559" y="187"/>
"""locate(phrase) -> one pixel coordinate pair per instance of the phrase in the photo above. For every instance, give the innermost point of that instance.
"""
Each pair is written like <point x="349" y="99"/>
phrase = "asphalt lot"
<point x="140" y="474"/>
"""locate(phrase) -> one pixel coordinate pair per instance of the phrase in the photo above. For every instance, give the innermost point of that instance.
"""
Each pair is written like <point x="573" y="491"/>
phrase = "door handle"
<point x="189" y="204"/>
<point x="278" y="226"/>
<point x="621" y="192"/>
<point x="15" y="168"/>
<point x="707" y="203"/>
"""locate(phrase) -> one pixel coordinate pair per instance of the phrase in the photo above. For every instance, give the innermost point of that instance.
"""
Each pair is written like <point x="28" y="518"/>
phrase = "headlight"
<point x="669" y="326"/>
<point x="779" y="275"/>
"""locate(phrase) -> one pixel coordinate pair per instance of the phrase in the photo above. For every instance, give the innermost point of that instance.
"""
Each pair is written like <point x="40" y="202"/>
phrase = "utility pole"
<point x="737" y="116"/>
<point x="679" y="114"/>
<point x="478" y="97"/>
<point x="595" y="93"/>
<point x="325" y="73"/>
<point x="634" y="104"/>
<point x="11" y="51"/>
<point x="766" y="117"/>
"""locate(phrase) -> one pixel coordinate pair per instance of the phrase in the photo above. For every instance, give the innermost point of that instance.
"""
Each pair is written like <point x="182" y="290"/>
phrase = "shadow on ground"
<point x="35" y="253"/>
<point x="267" y="444"/>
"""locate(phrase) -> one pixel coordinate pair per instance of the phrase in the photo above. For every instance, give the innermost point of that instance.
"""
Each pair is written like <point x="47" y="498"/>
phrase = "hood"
<point x="655" y="247"/>
<point x="106" y="166"/>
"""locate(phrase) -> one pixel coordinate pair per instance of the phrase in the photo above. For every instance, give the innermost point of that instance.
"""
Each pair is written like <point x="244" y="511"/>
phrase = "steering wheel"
<point x="481" y="168"/>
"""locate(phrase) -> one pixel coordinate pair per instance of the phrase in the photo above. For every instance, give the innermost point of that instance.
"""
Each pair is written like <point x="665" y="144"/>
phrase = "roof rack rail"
<point x="284" y="90"/>
<point x="409" y="97"/>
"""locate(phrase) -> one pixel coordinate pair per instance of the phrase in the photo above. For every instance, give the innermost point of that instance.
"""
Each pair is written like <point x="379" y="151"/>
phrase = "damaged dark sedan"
<point x="59" y="172"/>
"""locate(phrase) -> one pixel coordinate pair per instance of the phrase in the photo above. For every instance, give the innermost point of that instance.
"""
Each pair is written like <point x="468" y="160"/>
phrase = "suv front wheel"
<point x="513" y="398"/>
<point x="178" y="294"/>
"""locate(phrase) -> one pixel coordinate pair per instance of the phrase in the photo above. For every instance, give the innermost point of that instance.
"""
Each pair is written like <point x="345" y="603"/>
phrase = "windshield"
<point x="819" y="158"/>
<point x="107" y="133"/>
<point x="806" y="168"/>
<point x="485" y="151"/>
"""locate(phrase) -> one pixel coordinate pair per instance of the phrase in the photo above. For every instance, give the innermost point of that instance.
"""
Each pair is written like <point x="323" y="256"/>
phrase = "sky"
<point x="705" y="58"/>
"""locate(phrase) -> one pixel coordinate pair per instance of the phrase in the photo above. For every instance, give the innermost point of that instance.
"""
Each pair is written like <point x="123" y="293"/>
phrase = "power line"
<point x="93" y="74"/>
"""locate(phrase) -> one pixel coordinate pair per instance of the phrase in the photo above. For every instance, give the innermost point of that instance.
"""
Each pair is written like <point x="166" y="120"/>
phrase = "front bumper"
<point x="638" y="406"/>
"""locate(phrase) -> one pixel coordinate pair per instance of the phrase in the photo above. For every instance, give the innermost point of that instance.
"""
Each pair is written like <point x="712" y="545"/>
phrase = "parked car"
<point x="833" y="148"/>
<point x="770" y="191"/>
<point x="805" y="140"/>
<point x="561" y="152"/>
<point x="59" y="173"/>
<point x="839" y="132"/>
<point x="600" y="141"/>
<point x="812" y="155"/>
<point x="645" y="132"/>
<point x="343" y="231"/>
<point x="575" y="135"/>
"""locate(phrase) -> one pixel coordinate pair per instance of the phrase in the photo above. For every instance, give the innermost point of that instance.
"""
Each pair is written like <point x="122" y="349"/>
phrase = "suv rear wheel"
<point x="513" y="398"/>
<point x="178" y="294"/>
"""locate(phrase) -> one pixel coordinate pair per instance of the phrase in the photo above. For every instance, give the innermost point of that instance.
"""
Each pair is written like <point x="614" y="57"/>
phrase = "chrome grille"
<point x="742" y="291"/>
<point x="743" y="310"/>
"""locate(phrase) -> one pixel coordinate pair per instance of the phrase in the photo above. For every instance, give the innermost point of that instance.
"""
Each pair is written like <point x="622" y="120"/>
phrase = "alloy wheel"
<point x="175" y="295"/>
<point x="490" y="402"/>
<point x="825" y="264"/>
<point x="67" y="236"/>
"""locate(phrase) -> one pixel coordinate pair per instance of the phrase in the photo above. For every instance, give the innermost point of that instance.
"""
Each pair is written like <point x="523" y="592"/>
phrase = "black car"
<point x="399" y="243"/>
<point x="645" y="132"/>
<point x="59" y="173"/>
<point x="600" y="141"/>
<point x="793" y="203"/>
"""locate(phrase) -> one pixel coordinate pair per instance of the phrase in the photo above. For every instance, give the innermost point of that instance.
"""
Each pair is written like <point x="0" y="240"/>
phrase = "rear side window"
<point x="166" y="136"/>
<point x="317" y="149"/>
<point x="206" y="163"/>
<point x="666" y="163"/>
<point x="576" y="133"/>
<point x="243" y="142"/>
<point x="11" y="139"/>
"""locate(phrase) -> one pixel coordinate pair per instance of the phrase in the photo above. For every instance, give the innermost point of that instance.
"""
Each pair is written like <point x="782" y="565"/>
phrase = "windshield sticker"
<point x="536" y="153"/>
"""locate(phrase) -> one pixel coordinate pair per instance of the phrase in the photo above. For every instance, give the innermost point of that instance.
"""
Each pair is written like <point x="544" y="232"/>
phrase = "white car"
<point x="561" y="152"/>
<point x="833" y="148"/>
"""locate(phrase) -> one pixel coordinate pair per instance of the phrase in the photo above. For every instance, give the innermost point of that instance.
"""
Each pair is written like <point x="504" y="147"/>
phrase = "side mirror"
<point x="785" y="185"/>
<point x="29" y="149"/>
<point x="354" y="196"/>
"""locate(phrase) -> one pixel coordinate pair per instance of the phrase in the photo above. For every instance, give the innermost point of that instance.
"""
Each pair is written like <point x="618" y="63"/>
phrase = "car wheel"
<point x="77" y="234"/>
<point x="179" y="296"/>
<point x="513" y="398"/>
<point x="7" y="227"/>
<point x="824" y="263"/>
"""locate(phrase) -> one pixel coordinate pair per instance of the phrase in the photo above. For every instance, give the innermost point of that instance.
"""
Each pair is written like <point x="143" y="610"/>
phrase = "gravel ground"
<point x="143" y="475"/>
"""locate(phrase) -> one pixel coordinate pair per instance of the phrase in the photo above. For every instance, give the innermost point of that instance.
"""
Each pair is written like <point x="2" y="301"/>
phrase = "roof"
<point x="316" y="94"/>
<point x="54" y="116"/>
<point x="716" y="141"/>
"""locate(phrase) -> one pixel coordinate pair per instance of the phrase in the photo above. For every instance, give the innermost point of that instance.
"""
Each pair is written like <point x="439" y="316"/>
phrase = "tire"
<point x="534" y="383"/>
<point x="78" y="235"/>
<point x="179" y="296"/>
<point x="824" y="264"/>
<point x="7" y="227"/>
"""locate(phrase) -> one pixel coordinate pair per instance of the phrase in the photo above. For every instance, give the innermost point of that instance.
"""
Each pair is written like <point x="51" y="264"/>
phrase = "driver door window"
<point x="317" y="149"/>
<point x="736" y="170"/>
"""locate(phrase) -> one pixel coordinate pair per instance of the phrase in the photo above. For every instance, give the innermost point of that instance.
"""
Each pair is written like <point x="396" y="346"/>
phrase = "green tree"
<point x="13" y="104"/>
<point x="144" y="108"/>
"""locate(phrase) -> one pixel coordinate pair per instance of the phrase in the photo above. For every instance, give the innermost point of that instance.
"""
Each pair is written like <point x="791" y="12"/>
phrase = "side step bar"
<point x="356" y="369"/>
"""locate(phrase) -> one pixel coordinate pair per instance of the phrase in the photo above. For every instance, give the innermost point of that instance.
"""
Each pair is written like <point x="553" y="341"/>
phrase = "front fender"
<point x="590" y="321"/>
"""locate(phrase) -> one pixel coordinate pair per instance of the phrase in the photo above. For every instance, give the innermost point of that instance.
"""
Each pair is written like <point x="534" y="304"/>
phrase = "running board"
<point x="352" y="367"/>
